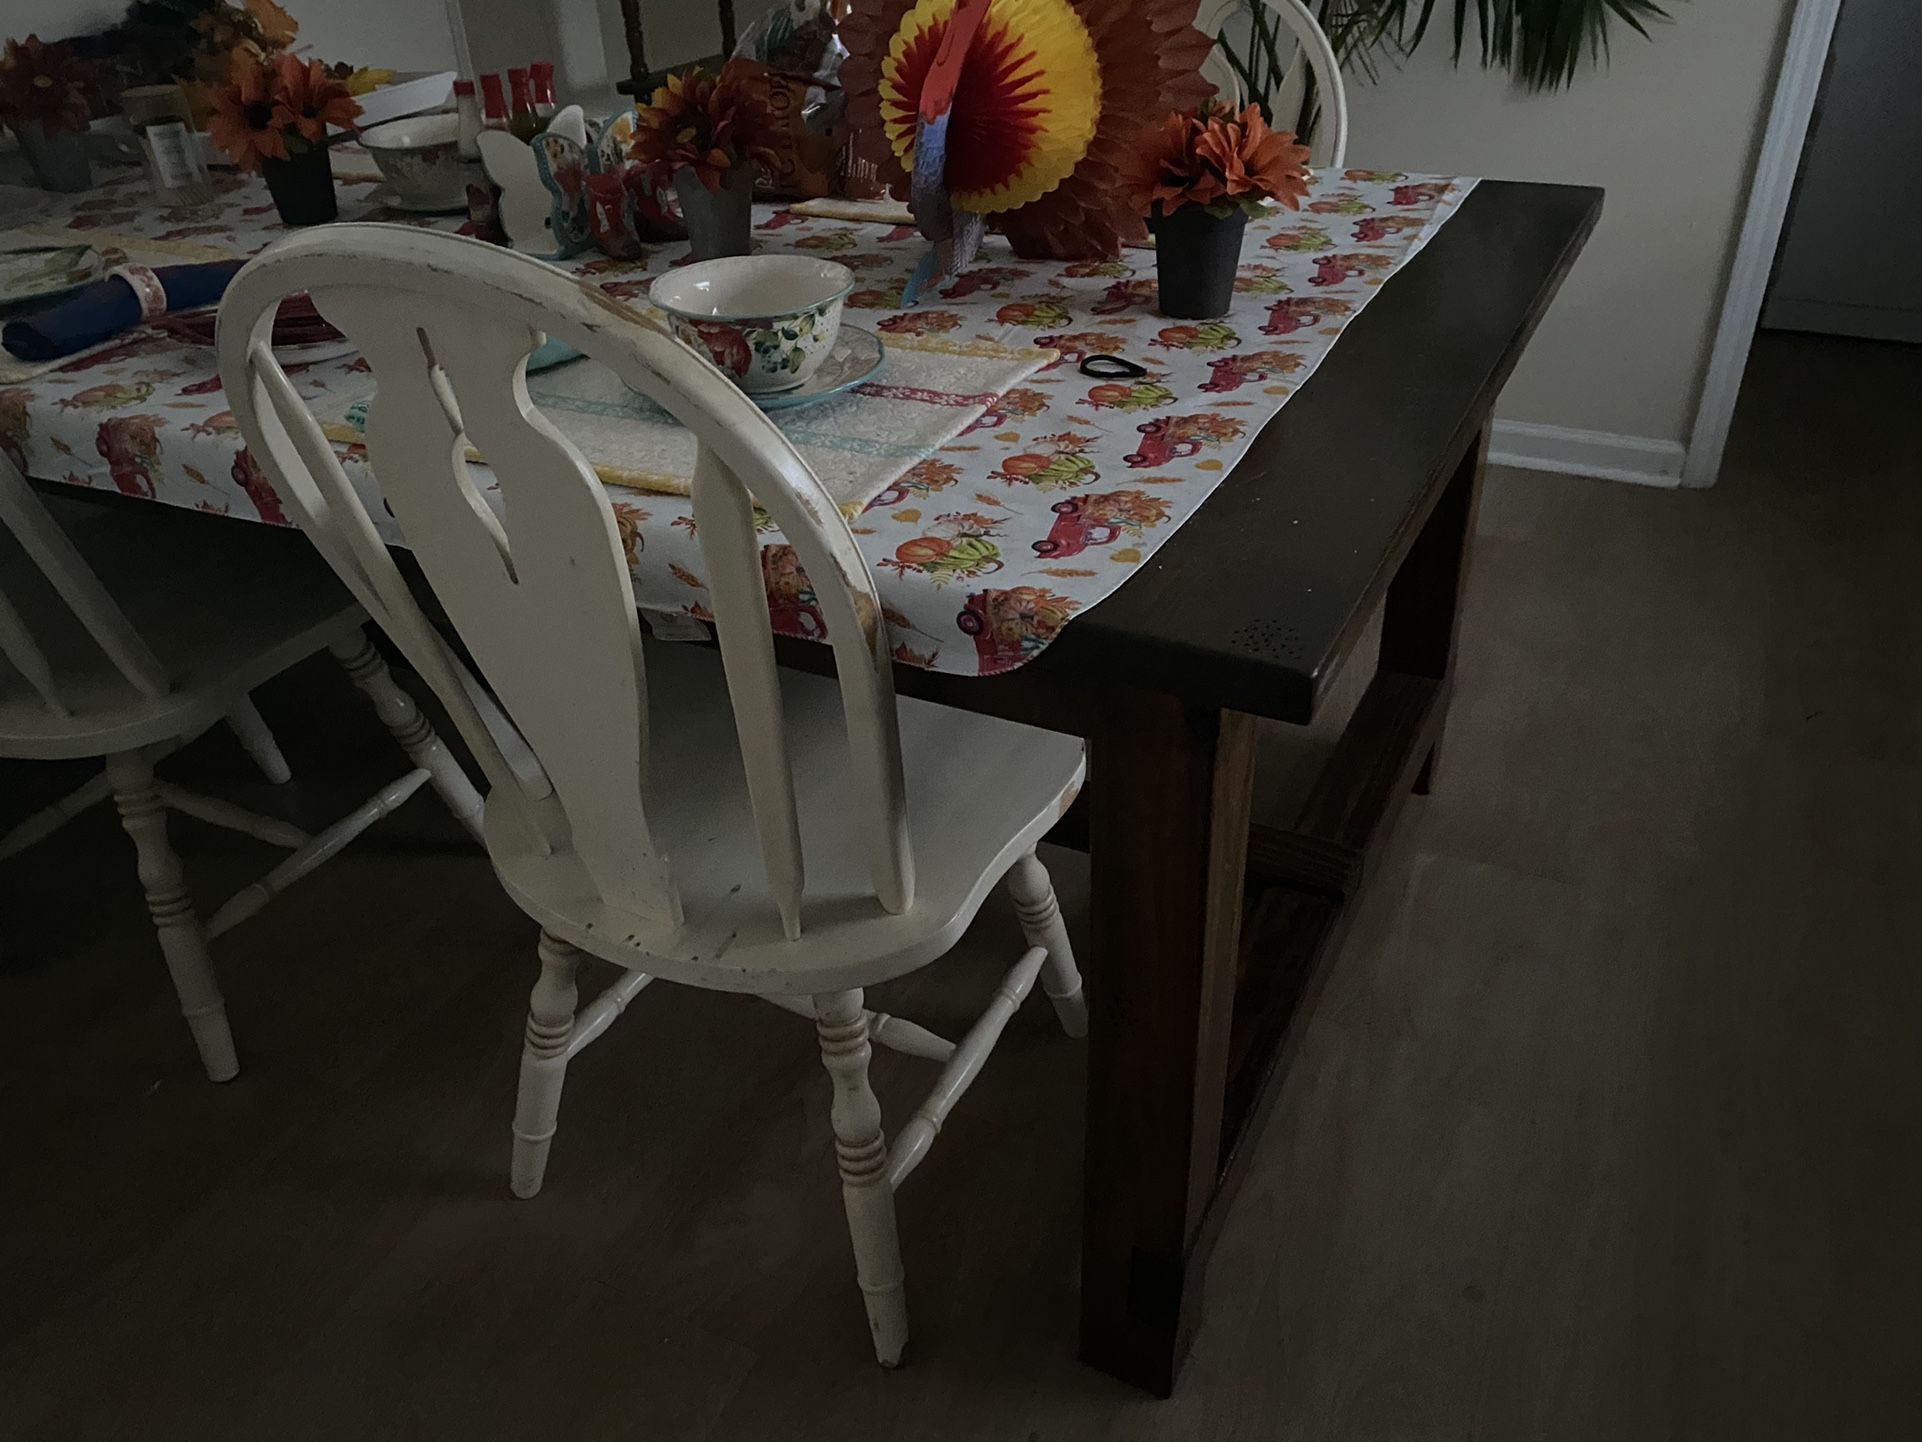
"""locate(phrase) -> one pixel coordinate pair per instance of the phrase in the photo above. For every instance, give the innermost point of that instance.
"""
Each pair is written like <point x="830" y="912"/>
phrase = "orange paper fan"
<point x="1053" y="94"/>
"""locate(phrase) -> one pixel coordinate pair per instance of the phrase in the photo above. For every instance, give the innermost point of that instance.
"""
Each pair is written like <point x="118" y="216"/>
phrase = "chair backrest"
<point x="1256" y="58"/>
<point x="540" y="593"/>
<point x="24" y="518"/>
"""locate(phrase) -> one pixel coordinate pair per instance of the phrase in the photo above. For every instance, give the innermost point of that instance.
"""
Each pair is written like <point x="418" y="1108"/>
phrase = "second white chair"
<point x="223" y="607"/>
<point x="1261" y="49"/>
<point x="748" y="831"/>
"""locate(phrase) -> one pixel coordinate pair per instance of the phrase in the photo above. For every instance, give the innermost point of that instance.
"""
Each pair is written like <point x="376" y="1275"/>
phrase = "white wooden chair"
<point x="222" y="608"/>
<point x="1312" y="50"/>
<point x="746" y="832"/>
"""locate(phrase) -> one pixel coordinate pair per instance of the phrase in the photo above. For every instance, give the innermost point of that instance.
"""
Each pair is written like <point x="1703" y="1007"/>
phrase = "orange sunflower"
<point x="705" y="122"/>
<point x="250" y="119"/>
<point x="45" y="82"/>
<point x="1216" y="159"/>
<point x="314" y="97"/>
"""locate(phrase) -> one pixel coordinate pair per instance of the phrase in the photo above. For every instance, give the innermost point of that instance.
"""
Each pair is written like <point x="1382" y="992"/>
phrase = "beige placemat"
<point x="926" y="392"/>
<point x="834" y="207"/>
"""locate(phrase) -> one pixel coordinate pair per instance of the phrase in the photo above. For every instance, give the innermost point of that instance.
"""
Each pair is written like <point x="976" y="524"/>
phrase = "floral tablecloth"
<point x="985" y="549"/>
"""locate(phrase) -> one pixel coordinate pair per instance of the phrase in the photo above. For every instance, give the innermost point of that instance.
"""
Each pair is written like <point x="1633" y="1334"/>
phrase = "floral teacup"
<point x="767" y="320"/>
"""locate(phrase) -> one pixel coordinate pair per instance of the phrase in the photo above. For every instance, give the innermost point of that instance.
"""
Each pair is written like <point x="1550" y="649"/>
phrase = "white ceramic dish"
<point x="409" y="97"/>
<point x="419" y="158"/>
<point x="42" y="273"/>
<point x="769" y="321"/>
<point x="857" y="353"/>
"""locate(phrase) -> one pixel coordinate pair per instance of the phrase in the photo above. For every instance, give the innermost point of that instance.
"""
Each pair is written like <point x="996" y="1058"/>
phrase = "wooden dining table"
<point x="1208" y="930"/>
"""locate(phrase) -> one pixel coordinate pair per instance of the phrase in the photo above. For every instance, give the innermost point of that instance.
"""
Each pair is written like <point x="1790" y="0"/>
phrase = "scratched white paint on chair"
<point x="95" y="685"/>
<point x="730" y="826"/>
<point x="1313" y="49"/>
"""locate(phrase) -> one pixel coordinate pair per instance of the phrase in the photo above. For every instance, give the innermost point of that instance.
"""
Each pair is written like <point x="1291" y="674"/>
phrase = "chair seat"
<point x="225" y="606"/>
<point x="981" y="793"/>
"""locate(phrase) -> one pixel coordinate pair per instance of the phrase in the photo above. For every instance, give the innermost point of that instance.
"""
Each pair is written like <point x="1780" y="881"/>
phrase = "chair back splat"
<point x="539" y="589"/>
<point x="1265" y="50"/>
<point x="24" y="518"/>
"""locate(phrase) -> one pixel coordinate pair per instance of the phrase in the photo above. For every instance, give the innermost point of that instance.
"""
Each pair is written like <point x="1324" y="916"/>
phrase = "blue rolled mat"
<point x="107" y="307"/>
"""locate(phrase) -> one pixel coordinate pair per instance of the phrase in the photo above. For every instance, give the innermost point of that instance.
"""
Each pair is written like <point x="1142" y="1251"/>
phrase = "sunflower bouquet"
<point x="707" y="135"/>
<point x="44" y="83"/>
<point x="277" y="109"/>
<point x="1219" y="160"/>
<point x="272" y="116"/>
<point x="1199" y="176"/>
<point x="45" y="99"/>
<point x="709" y="124"/>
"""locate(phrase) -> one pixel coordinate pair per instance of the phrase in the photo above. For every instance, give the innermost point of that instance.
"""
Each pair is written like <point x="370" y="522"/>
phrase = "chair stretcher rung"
<point x="912" y="1144"/>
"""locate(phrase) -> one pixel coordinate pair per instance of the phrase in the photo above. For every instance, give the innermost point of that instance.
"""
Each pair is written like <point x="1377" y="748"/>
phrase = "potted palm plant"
<point x="43" y="98"/>
<point x="1543" y="44"/>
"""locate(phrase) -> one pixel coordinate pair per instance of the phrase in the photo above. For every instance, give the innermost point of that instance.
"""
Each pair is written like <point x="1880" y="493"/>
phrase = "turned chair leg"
<point x="862" y="1153"/>
<point x="1034" y="903"/>
<point x="252" y="733"/>
<point x="403" y="718"/>
<point x="550" y="1021"/>
<point x="183" y="941"/>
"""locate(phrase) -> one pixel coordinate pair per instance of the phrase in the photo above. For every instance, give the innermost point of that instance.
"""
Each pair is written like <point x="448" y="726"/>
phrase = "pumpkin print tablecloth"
<point x="983" y="550"/>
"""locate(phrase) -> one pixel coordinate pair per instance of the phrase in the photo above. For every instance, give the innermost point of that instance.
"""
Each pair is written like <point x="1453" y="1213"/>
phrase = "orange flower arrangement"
<point x="1218" y="160"/>
<point x="277" y="109"/>
<point x="47" y="83"/>
<point x="707" y="123"/>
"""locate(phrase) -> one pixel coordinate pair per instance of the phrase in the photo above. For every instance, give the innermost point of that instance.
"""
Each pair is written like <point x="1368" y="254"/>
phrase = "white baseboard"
<point x="1602" y="454"/>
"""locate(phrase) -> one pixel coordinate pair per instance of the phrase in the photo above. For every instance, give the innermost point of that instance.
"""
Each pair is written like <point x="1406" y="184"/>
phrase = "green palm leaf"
<point x="1541" y="43"/>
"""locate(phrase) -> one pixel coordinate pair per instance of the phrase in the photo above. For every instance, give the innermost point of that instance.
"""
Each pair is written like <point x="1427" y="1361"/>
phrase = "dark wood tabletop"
<point x="1254" y="602"/>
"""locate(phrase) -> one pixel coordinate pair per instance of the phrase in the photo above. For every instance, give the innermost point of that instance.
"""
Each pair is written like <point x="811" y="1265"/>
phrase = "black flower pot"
<point x="1195" y="258"/>
<point x="302" y="187"/>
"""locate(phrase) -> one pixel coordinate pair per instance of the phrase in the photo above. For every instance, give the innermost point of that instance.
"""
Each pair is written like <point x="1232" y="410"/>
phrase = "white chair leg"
<point x="183" y="941"/>
<point x="862" y="1153"/>
<point x="403" y="718"/>
<point x="1033" y="892"/>
<point x="550" y="1018"/>
<point x="251" y="731"/>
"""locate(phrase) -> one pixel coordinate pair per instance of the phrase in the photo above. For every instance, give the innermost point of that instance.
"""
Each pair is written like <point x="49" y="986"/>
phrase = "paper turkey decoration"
<point x="1049" y="96"/>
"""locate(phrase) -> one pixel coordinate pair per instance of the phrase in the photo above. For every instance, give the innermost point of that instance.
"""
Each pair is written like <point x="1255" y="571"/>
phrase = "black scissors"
<point x="1111" y="368"/>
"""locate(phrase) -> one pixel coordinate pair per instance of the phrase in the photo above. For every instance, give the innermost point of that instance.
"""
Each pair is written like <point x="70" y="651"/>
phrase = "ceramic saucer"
<point x="857" y="353"/>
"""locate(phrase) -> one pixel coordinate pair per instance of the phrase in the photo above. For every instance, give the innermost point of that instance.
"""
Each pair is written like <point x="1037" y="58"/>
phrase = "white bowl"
<point x="419" y="158"/>
<point x="767" y="320"/>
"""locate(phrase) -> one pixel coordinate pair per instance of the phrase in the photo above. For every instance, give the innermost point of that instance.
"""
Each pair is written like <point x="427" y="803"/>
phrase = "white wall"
<point x="402" y="34"/>
<point x="57" y="19"/>
<point x="1670" y="129"/>
<point x="399" y="34"/>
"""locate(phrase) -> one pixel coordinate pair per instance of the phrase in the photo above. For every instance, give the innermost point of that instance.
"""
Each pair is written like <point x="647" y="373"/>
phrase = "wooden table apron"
<point x="1207" y="930"/>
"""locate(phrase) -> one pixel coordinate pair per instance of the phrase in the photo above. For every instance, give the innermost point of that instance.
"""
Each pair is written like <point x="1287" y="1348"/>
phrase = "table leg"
<point x="1422" y="614"/>
<point x="1169" y="815"/>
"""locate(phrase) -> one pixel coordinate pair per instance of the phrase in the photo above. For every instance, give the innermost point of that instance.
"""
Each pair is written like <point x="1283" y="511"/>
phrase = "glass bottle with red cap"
<point x="523" y="123"/>
<point x="467" y="108"/>
<point x="495" y="97"/>
<point x="541" y="72"/>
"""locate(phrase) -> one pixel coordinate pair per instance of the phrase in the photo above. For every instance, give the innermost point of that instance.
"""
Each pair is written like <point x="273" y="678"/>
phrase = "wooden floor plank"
<point x="1602" y="1125"/>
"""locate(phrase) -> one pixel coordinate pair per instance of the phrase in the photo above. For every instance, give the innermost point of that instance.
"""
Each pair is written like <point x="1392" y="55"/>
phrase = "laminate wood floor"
<point x="1605" y="1124"/>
